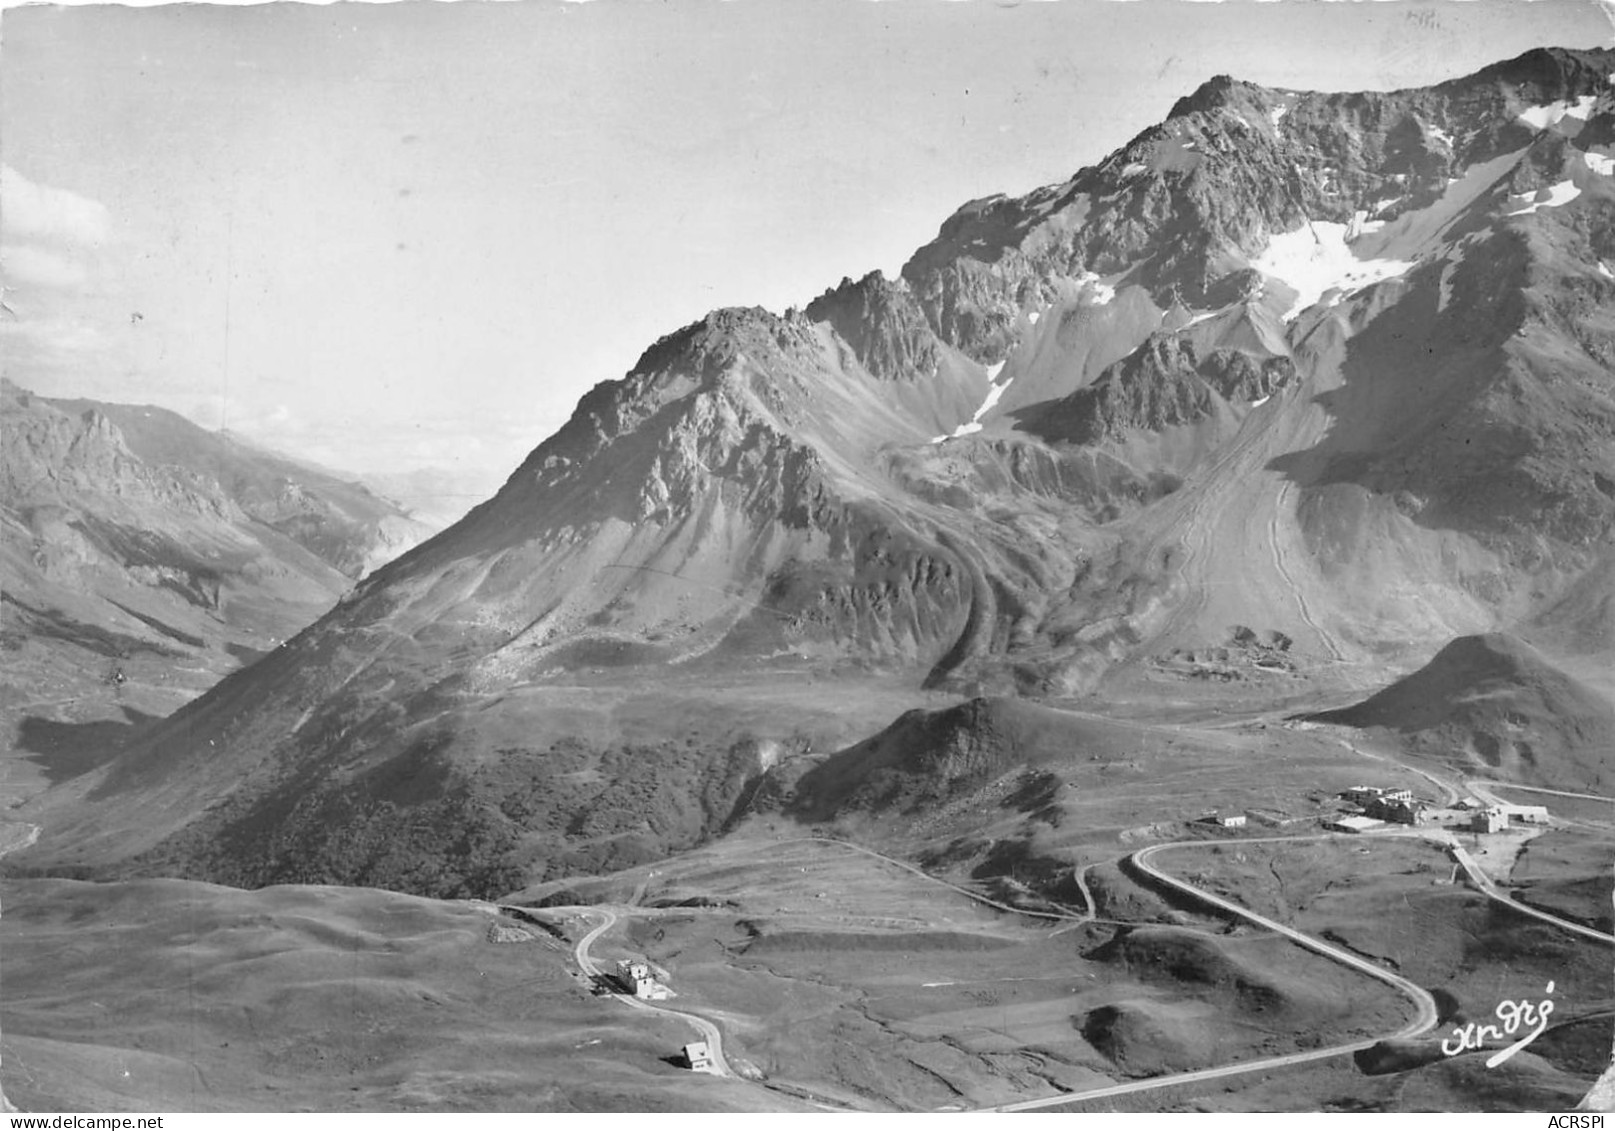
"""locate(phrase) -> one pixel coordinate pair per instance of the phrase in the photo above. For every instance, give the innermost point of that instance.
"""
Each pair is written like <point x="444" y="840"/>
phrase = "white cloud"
<point x="54" y="266"/>
<point x="51" y="346"/>
<point x="36" y="212"/>
<point x="31" y="265"/>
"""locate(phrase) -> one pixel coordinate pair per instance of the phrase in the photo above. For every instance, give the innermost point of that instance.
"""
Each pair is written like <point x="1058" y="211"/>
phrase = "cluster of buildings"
<point x="1497" y="818"/>
<point x="1388" y="806"/>
<point x="1272" y="818"/>
<point x="1379" y="806"/>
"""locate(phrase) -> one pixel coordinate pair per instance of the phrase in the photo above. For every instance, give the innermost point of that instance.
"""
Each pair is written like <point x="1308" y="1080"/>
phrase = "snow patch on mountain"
<point x="1032" y="317"/>
<point x="1445" y="287"/>
<point x="995" y="392"/>
<point x="1098" y="292"/>
<point x="1361" y="225"/>
<point x="1315" y="259"/>
<point x="1551" y="114"/>
<point x="1601" y="163"/>
<point x="1603" y="269"/>
<point x="1277" y="114"/>
<point x="1439" y="134"/>
<point x="1551" y="197"/>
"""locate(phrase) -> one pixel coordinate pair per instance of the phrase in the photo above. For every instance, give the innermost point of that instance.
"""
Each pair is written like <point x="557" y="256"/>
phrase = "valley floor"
<point x="1115" y="951"/>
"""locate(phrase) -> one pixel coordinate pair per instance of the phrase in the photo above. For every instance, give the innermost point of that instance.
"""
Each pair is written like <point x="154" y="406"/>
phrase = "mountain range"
<point x="146" y="557"/>
<point x="1277" y="400"/>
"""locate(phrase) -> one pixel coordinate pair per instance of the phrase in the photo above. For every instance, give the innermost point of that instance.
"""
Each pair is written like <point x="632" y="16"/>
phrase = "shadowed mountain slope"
<point x="1498" y="707"/>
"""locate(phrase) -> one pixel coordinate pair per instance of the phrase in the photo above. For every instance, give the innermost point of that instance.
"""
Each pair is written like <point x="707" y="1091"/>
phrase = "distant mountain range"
<point x="1305" y="383"/>
<point x="144" y="557"/>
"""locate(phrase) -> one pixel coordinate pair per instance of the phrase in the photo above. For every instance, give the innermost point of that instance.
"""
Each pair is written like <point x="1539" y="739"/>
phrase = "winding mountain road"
<point x="1450" y="794"/>
<point x="1426" y="1018"/>
<point x="1428" y="1013"/>
<point x="1489" y="888"/>
<point x="1195" y="1077"/>
<point x="709" y="1032"/>
<point x="1482" y="788"/>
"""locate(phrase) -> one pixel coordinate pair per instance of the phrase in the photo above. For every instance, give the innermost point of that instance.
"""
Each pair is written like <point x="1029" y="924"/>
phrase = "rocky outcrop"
<point x="883" y="324"/>
<point x="1168" y="381"/>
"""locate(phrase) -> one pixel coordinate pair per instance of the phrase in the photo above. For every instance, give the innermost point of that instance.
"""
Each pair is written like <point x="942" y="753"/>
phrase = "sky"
<point x="405" y="236"/>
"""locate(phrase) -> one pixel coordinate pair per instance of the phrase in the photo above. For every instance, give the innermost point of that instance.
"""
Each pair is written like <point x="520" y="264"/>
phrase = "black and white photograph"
<point x="843" y="557"/>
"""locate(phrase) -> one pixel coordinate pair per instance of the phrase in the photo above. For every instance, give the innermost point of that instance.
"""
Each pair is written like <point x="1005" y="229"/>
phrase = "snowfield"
<point x="1315" y="259"/>
<point x="994" y="393"/>
<point x="1098" y="292"/>
<point x="1551" y="197"/>
<point x="1361" y="225"/>
<point x="1546" y="117"/>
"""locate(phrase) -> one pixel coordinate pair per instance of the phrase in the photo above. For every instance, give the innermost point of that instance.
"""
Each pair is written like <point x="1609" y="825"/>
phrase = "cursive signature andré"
<point x="1512" y="1015"/>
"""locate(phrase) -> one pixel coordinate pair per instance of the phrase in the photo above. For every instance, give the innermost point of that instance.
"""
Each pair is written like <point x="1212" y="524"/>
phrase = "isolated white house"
<point x="698" y="1056"/>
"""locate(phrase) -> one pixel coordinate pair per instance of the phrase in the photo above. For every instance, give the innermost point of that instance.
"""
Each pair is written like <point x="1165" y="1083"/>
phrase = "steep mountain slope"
<point x="1334" y="367"/>
<point x="144" y="557"/>
<point x="340" y="521"/>
<point x="1449" y="332"/>
<point x="1500" y="708"/>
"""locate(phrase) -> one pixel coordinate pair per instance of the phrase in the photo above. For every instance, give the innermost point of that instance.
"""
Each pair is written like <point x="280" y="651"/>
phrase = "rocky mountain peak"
<point x="885" y="327"/>
<point x="1548" y="73"/>
<point x="1190" y="202"/>
<point x="1222" y="92"/>
<point x="710" y="345"/>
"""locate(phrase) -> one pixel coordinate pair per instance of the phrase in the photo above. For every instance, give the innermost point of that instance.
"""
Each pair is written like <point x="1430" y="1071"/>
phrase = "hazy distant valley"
<point x="954" y="688"/>
<point x="146" y="557"/>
